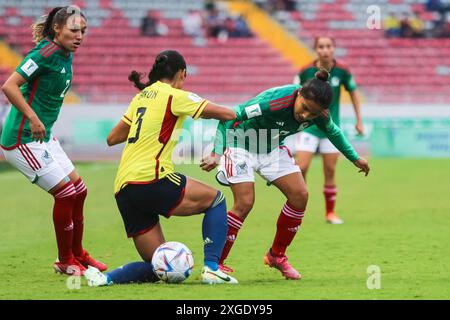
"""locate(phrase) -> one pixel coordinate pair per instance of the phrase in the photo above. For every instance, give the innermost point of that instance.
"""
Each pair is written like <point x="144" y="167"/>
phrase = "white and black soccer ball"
<point x="173" y="262"/>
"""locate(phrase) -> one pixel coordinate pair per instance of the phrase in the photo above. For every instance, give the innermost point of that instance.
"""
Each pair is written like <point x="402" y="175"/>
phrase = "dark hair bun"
<point x="322" y="74"/>
<point x="134" y="76"/>
<point x="161" y="59"/>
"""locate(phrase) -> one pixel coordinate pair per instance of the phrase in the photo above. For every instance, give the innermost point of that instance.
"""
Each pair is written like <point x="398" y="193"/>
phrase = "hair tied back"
<point x="161" y="59"/>
<point x="322" y="75"/>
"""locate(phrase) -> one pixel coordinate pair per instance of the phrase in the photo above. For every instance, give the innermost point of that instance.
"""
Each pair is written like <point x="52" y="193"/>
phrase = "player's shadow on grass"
<point x="245" y="282"/>
<point x="5" y="167"/>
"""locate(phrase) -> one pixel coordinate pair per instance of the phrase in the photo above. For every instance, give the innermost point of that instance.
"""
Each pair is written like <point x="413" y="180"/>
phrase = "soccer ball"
<point x="172" y="262"/>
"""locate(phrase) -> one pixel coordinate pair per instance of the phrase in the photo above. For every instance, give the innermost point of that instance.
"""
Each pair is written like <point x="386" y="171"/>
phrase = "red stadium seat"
<point x="380" y="65"/>
<point x="242" y="67"/>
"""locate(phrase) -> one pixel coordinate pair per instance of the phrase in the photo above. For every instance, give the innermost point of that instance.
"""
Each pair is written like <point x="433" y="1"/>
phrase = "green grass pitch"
<point x="398" y="219"/>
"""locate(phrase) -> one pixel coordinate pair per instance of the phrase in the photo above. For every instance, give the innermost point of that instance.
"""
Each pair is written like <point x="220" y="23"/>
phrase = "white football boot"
<point x="216" y="277"/>
<point x="95" y="278"/>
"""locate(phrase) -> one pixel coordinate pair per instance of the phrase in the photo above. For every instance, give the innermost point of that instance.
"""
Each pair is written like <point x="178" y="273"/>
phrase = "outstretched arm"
<point x="357" y="107"/>
<point x="212" y="161"/>
<point x="243" y="113"/>
<point x="338" y="139"/>
<point x="214" y="111"/>
<point x="260" y="106"/>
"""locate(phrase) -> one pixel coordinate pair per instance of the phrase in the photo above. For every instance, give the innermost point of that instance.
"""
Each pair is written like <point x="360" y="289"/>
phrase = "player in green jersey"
<point x="36" y="92"/>
<point x="306" y="143"/>
<point x="255" y="142"/>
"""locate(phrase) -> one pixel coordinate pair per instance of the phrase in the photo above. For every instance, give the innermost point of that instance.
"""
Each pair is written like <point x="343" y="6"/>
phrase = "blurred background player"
<point x="36" y="91"/>
<point x="151" y="25"/>
<point x="146" y="184"/>
<point x="306" y="143"/>
<point x="279" y="111"/>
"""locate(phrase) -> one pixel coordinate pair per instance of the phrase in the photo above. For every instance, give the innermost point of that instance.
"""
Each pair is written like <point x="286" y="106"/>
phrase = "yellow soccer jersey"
<point x="155" y="116"/>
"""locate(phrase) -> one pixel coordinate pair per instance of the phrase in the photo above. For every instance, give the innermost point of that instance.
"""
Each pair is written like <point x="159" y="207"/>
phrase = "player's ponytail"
<point x="158" y="68"/>
<point x="318" y="89"/>
<point x="322" y="74"/>
<point x="136" y="77"/>
<point x="44" y="26"/>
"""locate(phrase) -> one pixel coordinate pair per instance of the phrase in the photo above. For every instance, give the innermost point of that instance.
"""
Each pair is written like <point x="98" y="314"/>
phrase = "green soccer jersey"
<point x="262" y="124"/>
<point x="48" y="72"/>
<point x="339" y="75"/>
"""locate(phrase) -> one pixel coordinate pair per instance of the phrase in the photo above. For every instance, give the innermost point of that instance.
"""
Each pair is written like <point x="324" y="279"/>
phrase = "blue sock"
<point x="214" y="231"/>
<point x="134" y="272"/>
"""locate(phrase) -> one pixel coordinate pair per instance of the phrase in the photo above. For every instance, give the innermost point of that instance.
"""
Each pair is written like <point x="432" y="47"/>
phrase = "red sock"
<point x="329" y="193"/>
<point x="78" y="218"/>
<point x="288" y="224"/>
<point x="62" y="220"/>
<point x="234" y="224"/>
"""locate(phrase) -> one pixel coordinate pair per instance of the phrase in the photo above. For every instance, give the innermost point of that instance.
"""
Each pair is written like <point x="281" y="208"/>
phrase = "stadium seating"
<point x="4" y="73"/>
<point x="388" y="70"/>
<point x="225" y="72"/>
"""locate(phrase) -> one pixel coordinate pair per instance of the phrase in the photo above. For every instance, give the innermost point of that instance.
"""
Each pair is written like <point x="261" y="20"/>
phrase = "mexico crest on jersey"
<point x="335" y="82"/>
<point x="46" y="157"/>
<point x="241" y="168"/>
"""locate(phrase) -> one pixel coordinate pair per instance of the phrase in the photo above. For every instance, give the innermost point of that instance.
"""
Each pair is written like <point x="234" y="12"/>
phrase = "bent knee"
<point x="242" y="207"/>
<point x="218" y="200"/>
<point x="299" y="199"/>
<point x="207" y="200"/>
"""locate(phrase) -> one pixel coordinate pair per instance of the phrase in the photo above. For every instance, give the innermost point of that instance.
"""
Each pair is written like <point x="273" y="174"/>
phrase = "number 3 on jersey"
<point x="140" y="113"/>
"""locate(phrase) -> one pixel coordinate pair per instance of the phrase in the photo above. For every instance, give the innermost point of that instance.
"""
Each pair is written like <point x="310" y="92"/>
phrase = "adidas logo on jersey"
<point x="63" y="70"/>
<point x="280" y="124"/>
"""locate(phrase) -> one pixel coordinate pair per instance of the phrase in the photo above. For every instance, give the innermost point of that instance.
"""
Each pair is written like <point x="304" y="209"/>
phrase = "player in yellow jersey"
<point x="147" y="185"/>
